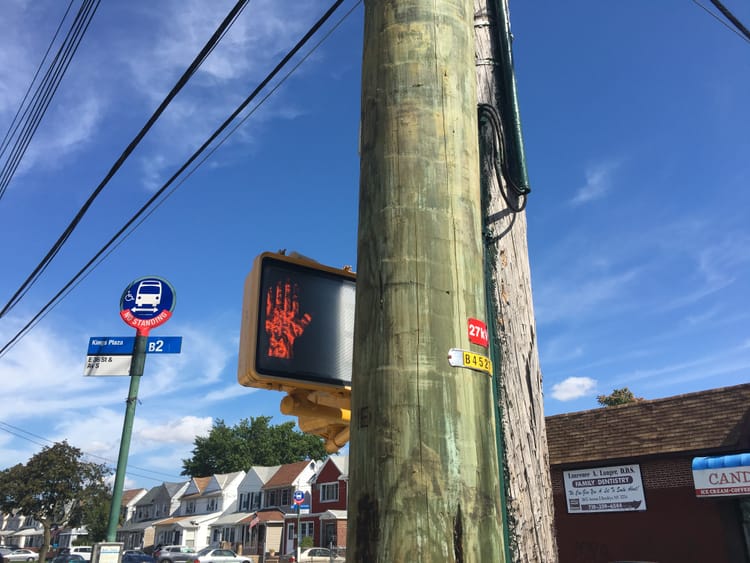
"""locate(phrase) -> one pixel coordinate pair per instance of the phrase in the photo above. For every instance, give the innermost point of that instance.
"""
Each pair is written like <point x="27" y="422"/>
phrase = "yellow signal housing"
<point x="297" y="336"/>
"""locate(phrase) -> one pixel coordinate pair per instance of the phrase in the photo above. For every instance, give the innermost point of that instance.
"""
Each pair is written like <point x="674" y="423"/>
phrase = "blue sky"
<point x="635" y="122"/>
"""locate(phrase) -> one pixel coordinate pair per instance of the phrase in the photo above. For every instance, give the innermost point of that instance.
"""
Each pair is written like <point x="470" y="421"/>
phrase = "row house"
<point x="264" y="531"/>
<point x="227" y="529"/>
<point x="20" y="530"/>
<point x="128" y="505"/>
<point x="325" y="521"/>
<point x="157" y="504"/>
<point x="202" y="503"/>
<point x="250" y="512"/>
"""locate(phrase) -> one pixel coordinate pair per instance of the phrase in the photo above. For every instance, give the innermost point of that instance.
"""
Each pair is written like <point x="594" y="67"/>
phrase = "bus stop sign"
<point x="147" y="303"/>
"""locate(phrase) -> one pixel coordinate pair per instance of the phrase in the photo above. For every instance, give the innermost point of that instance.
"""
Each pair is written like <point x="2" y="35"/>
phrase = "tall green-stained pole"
<point x="145" y="304"/>
<point x="424" y="481"/>
<point x="136" y="371"/>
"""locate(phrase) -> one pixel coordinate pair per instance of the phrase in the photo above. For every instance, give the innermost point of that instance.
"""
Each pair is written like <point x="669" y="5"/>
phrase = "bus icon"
<point x="148" y="293"/>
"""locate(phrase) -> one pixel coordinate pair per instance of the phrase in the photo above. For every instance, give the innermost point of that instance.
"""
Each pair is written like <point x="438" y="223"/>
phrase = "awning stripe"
<point x="721" y="462"/>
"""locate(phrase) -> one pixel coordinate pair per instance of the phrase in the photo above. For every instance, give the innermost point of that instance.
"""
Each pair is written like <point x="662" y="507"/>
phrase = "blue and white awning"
<point x="727" y="475"/>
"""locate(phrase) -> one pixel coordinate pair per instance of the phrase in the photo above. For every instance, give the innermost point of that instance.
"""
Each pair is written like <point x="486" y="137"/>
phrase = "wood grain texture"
<point x="526" y="459"/>
<point x="424" y="481"/>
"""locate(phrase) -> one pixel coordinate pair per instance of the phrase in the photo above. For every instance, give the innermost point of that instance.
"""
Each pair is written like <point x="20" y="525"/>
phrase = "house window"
<point x="329" y="492"/>
<point x="244" y="501"/>
<point x="272" y="498"/>
<point x="217" y="535"/>
<point x="255" y="500"/>
<point x="286" y="497"/>
<point x="306" y="530"/>
<point x="212" y="504"/>
<point x="290" y="532"/>
<point x="190" y="507"/>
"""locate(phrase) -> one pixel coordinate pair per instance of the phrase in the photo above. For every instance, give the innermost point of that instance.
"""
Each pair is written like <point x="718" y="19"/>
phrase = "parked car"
<point x="312" y="555"/>
<point x="82" y="550"/>
<point x="137" y="557"/>
<point x="21" y="555"/>
<point x="213" y="555"/>
<point x="67" y="558"/>
<point x="176" y="554"/>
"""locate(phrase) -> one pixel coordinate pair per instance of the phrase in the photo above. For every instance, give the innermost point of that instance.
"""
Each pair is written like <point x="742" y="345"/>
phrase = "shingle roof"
<point x="272" y="515"/>
<point x="713" y="421"/>
<point x="286" y="474"/>
<point x="200" y="483"/>
<point x="130" y="494"/>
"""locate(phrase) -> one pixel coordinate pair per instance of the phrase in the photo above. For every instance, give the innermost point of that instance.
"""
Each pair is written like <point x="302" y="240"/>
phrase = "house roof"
<point x="200" y="483"/>
<point x="286" y="474"/>
<point x="130" y="494"/>
<point x="342" y="462"/>
<point x="713" y="421"/>
<point x="265" y="516"/>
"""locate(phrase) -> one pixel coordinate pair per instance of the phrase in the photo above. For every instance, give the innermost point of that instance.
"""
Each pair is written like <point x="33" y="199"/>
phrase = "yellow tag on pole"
<point x="471" y="360"/>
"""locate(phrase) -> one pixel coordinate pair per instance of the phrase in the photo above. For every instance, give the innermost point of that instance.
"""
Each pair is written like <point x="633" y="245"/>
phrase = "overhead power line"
<point x="25" y="435"/>
<point x="199" y="59"/>
<point x="12" y="125"/>
<point x="35" y="111"/>
<point x="731" y="17"/>
<point x="738" y="29"/>
<point x="85" y="270"/>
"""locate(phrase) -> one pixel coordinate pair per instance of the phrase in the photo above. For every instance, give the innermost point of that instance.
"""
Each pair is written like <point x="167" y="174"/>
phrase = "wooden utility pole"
<point x="528" y="485"/>
<point x="424" y="475"/>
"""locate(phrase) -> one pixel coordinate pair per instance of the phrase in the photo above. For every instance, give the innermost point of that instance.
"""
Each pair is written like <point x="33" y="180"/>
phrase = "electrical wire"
<point x="5" y="140"/>
<point x="517" y="201"/>
<point x="21" y="433"/>
<point x="732" y="18"/>
<point x="721" y="21"/>
<point x="199" y="59"/>
<point x="100" y="255"/>
<point x="46" y="91"/>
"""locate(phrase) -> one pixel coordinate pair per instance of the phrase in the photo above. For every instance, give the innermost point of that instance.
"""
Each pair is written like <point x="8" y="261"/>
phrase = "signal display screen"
<point x="305" y="323"/>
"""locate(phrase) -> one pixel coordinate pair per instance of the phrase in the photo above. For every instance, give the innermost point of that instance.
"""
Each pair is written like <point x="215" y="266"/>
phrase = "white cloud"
<point x="180" y="431"/>
<point x="599" y="181"/>
<point x="229" y="392"/>
<point x="562" y="299"/>
<point x="573" y="388"/>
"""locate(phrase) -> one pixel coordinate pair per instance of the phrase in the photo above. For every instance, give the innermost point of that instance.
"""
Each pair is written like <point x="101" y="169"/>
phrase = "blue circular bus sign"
<point x="147" y="303"/>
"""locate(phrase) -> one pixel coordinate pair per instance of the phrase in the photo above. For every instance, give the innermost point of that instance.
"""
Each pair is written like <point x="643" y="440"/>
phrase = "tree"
<point x="253" y="441"/>
<point x="95" y="514"/>
<point x="618" y="397"/>
<point x="53" y="487"/>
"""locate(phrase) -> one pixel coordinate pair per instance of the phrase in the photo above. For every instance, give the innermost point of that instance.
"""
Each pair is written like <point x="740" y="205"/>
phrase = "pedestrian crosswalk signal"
<point x="297" y="325"/>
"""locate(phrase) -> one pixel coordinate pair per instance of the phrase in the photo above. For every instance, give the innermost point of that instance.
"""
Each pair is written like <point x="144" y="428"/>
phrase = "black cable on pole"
<point x="515" y="196"/>
<point x="3" y="143"/>
<point x="56" y="72"/>
<point x="182" y="168"/>
<point x="199" y="59"/>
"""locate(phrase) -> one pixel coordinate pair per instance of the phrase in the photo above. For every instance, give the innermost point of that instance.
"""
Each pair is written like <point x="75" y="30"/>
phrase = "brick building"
<point x="624" y="483"/>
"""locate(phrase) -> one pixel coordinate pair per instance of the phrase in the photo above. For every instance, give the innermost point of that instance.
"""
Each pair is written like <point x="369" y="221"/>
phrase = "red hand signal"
<point x="283" y="322"/>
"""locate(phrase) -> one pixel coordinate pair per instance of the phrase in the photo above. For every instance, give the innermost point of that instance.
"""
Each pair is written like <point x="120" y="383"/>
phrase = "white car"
<point x="313" y="555"/>
<point x="21" y="555"/>
<point x="213" y="555"/>
<point x="82" y="550"/>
